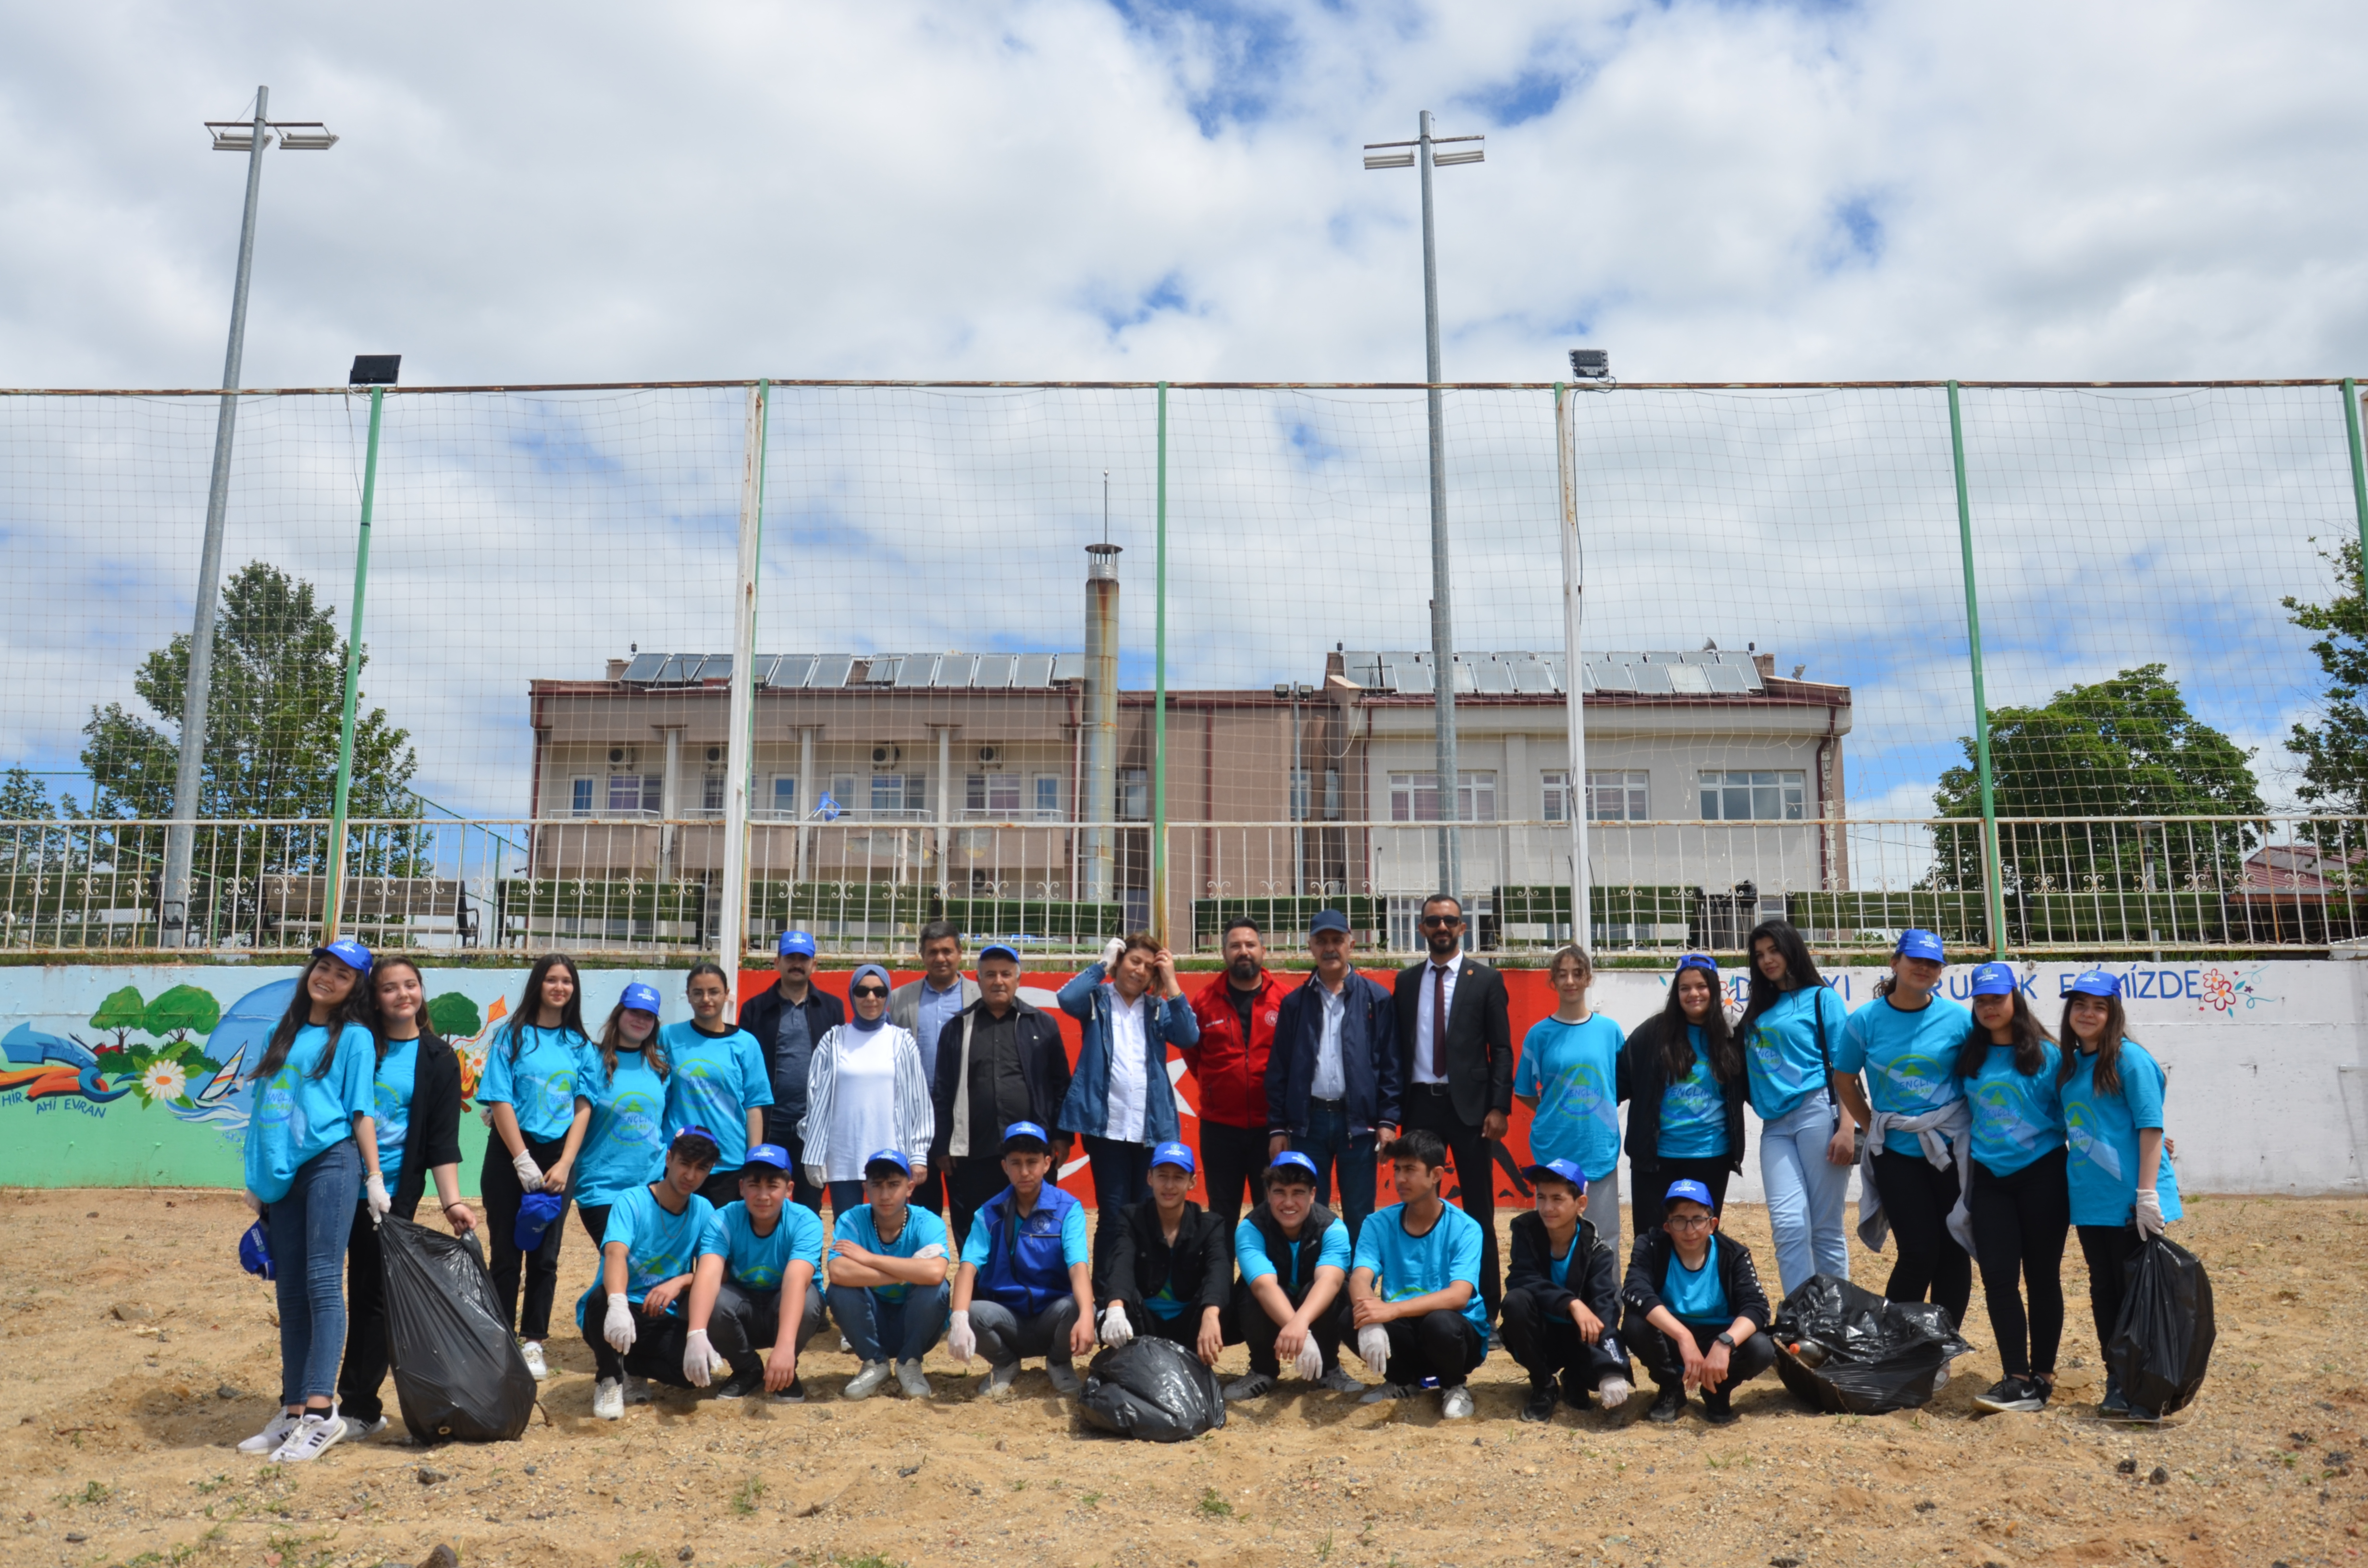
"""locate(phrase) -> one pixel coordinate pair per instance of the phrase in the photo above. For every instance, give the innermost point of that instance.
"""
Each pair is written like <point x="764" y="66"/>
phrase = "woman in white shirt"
<point x="865" y="1091"/>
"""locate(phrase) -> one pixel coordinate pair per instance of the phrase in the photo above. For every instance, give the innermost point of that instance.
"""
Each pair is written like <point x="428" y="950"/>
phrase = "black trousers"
<point x="1649" y="1181"/>
<point x="1548" y="1346"/>
<point x="971" y="1182"/>
<point x="595" y="1217"/>
<point x="363" y="1372"/>
<point x="781" y="1128"/>
<point x="657" y="1345"/>
<point x="745" y="1322"/>
<point x="929" y="1193"/>
<point x="1916" y="1198"/>
<point x="1428" y="1106"/>
<point x="721" y="1186"/>
<point x="497" y="1184"/>
<point x="1253" y="1327"/>
<point x="1442" y="1345"/>
<point x="1233" y="1158"/>
<point x="2108" y="1249"/>
<point x="2020" y="1223"/>
<point x="1659" y="1354"/>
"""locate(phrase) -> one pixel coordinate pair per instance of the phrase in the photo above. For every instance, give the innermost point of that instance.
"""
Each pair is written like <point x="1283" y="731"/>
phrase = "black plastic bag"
<point x="1846" y="1351"/>
<point x="1152" y="1388"/>
<point x="457" y="1373"/>
<point x="2162" y="1345"/>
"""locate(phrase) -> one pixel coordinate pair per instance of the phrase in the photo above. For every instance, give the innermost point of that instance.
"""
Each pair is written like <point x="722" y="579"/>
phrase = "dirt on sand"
<point x="137" y="1355"/>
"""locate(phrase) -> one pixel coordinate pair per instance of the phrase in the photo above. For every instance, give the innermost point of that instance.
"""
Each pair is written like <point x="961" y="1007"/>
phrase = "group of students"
<point x="935" y="1118"/>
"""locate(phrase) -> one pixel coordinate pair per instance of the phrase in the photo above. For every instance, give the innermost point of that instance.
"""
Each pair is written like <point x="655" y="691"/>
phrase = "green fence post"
<point x="1994" y="897"/>
<point x="333" y="911"/>
<point x="2359" y="473"/>
<point x="1159" y="699"/>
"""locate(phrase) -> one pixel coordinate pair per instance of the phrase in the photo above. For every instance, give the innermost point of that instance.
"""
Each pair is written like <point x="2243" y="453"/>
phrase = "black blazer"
<point x="1479" y="1038"/>
<point x="1197" y="1270"/>
<point x="1043" y="1061"/>
<point x="434" y="1137"/>
<point x="1648" y="1264"/>
<point x="1644" y="1079"/>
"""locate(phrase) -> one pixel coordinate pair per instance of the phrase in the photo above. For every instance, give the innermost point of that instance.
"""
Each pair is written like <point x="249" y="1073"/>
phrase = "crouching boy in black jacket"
<point x="1696" y="1312"/>
<point x="1171" y="1263"/>
<point x="1562" y="1299"/>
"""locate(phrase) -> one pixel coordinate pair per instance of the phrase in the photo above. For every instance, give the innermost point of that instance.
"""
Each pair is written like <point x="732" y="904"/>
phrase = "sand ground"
<point x="137" y="1354"/>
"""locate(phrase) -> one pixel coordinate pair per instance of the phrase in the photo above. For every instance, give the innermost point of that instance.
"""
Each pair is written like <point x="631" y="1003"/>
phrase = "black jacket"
<point x="761" y="1017"/>
<point x="1649" y="1265"/>
<point x="1197" y="1270"/>
<point x="1645" y="1080"/>
<point x="1369" y="1056"/>
<point x="1479" y="1038"/>
<point x="434" y="1136"/>
<point x="1595" y="1270"/>
<point x="1043" y="1061"/>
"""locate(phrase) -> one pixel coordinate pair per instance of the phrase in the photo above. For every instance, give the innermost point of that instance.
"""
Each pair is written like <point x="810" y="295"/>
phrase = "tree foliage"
<point x="183" y="1011"/>
<point x="122" y="1012"/>
<point x="2334" y="748"/>
<point x="453" y="1017"/>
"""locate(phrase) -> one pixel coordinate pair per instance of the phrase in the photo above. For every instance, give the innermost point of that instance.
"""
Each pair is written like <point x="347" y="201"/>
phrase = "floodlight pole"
<point x="1449" y="781"/>
<point x="180" y="839"/>
<point x="1582" y="913"/>
<point x="335" y="906"/>
<point x="1159" y="924"/>
<point x="739" y="749"/>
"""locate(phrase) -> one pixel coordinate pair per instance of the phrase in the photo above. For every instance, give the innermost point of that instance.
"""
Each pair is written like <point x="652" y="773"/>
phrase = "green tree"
<point x="2125" y="749"/>
<point x="183" y="1010"/>
<point x="2334" y="749"/>
<point x="25" y="798"/>
<point x="454" y="1016"/>
<point x="123" y="1011"/>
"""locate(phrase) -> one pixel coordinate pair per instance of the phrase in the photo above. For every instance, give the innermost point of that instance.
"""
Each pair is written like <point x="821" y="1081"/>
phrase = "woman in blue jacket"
<point x="1120" y="1101"/>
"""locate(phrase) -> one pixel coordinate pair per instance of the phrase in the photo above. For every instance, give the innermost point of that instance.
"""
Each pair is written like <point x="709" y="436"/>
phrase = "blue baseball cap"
<point x="796" y="942"/>
<point x="1292" y="1159"/>
<point x="1919" y="944"/>
<point x="1994" y="980"/>
<point x="694" y="1130"/>
<point x="1000" y="951"/>
<point x="641" y="998"/>
<point x="1698" y="961"/>
<point x="254" y="1252"/>
<point x="889" y="1157"/>
<point x="1565" y="1169"/>
<point x="1327" y="920"/>
<point x="1025" y="1133"/>
<point x="772" y="1156"/>
<point x="536" y="1212"/>
<point x="349" y="952"/>
<point x="1691" y="1191"/>
<point x="1175" y="1153"/>
<point x="2097" y="983"/>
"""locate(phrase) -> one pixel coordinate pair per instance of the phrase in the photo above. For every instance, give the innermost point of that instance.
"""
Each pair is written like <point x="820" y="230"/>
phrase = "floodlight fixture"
<point x="293" y="135"/>
<point x="1591" y="364"/>
<point x="374" y="370"/>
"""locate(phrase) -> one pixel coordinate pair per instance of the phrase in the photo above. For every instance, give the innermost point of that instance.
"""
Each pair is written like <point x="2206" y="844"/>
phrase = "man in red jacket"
<point x="1238" y="1019"/>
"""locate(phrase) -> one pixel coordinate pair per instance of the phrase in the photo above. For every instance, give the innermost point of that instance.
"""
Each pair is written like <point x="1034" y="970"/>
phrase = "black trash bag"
<point x="1846" y="1351"/>
<point x="2163" y="1343"/>
<point x="457" y="1373"/>
<point x="1152" y="1388"/>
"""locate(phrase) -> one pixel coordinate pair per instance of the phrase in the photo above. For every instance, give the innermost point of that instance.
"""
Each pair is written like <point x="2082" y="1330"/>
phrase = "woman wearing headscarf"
<point x="866" y="1091"/>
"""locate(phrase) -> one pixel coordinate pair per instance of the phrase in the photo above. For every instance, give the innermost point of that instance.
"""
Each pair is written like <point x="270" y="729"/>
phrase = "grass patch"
<point x="752" y="1492"/>
<point x="93" y="1492"/>
<point x="1214" y="1505"/>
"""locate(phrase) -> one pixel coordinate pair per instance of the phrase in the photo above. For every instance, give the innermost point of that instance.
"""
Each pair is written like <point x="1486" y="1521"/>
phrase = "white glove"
<point x="2149" y="1213"/>
<point x="529" y="1174"/>
<point x="961" y="1343"/>
<point x="816" y="1176"/>
<point x="1116" y="1330"/>
<point x="700" y="1360"/>
<point x="1373" y="1347"/>
<point x="374" y="1189"/>
<point x="1309" y="1363"/>
<point x="1113" y="952"/>
<point x="619" y="1330"/>
<point x="1613" y="1392"/>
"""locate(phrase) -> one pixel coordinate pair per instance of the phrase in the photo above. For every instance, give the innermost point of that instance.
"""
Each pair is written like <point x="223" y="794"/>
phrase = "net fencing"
<point x="967" y="601"/>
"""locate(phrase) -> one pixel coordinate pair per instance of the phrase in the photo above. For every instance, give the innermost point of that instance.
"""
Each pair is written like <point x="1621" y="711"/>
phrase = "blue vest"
<point x="1024" y="1268"/>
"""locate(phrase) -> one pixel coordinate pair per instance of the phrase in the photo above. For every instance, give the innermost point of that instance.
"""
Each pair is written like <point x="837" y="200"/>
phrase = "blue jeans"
<point x="870" y="1324"/>
<point x="845" y="1196"/>
<point x="308" y="1230"/>
<point x="1806" y="1193"/>
<point x="1329" y="1143"/>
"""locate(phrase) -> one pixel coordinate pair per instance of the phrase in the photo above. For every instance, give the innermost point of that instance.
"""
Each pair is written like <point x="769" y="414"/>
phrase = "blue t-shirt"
<point x="1786" y="1065"/>
<point x="297" y="1116"/>
<point x="1249" y="1252"/>
<point x="390" y="1090"/>
<point x="658" y="1246"/>
<point x="1077" y="1247"/>
<point x="2018" y="1117"/>
<point x="1909" y="1059"/>
<point x="1697" y="1295"/>
<point x="540" y="1086"/>
<point x="1573" y="1072"/>
<point x="624" y="1146"/>
<point x="2102" y="1133"/>
<point x="1693" y="1109"/>
<point x="712" y="1082"/>
<point x="762" y="1263"/>
<point x="1406" y="1266"/>
<point x="923" y="1231"/>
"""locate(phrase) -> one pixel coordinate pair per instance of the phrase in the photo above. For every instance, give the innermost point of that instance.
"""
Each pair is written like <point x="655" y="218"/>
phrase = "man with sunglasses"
<point x="1455" y="1054"/>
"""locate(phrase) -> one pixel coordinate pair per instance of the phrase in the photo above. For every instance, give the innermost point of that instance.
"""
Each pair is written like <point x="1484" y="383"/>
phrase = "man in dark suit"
<point x="1455" y="1047"/>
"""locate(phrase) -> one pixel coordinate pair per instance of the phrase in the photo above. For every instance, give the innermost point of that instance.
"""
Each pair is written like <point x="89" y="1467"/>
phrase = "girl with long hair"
<point x="620" y="1101"/>
<point x="2021" y="1210"/>
<point x="530" y="1090"/>
<point x="1570" y="1077"/>
<point x="416" y="1097"/>
<point x="1686" y="1083"/>
<point x="1790" y="1025"/>
<point x="720" y="1081"/>
<point x="311" y="1151"/>
<point x="2122" y="1188"/>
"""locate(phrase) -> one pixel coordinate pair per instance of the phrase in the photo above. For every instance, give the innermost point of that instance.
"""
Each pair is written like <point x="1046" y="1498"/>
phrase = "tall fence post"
<point x="1994" y="884"/>
<point x="1582" y="914"/>
<point x="732" y="939"/>
<point x="1159" y="923"/>
<point x="2358" y="470"/>
<point x="334" y="910"/>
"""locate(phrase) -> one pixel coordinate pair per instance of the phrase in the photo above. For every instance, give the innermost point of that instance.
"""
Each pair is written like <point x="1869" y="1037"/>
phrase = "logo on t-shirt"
<point x="1916" y="1075"/>
<point x="2000" y="1110"/>
<point x="633" y="1119"/>
<point x="2089" y="1143"/>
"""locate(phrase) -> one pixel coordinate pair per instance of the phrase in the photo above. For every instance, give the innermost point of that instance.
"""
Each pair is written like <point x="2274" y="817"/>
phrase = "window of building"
<point x="1553" y="788"/>
<point x="624" y="793"/>
<point x="842" y="793"/>
<point x="1134" y="794"/>
<point x="993" y="794"/>
<point x="1414" y="797"/>
<point x="711" y="792"/>
<point x="1617" y="795"/>
<point x="899" y="794"/>
<point x="1048" y="797"/>
<point x="785" y="795"/>
<point x="579" y="796"/>
<point x="1760" y="795"/>
<point x="1299" y="794"/>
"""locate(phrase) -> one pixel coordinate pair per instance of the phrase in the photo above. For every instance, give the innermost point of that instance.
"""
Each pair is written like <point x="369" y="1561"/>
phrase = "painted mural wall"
<point x="131" y="1076"/>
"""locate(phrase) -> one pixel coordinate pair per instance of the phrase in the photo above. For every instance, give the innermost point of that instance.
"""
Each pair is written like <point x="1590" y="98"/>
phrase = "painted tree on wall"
<point x="453" y="1017"/>
<point x="122" y="1012"/>
<point x="183" y="1010"/>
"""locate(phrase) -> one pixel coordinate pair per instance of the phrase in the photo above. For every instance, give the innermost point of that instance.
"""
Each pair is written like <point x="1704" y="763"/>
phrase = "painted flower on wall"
<point x="164" y="1080"/>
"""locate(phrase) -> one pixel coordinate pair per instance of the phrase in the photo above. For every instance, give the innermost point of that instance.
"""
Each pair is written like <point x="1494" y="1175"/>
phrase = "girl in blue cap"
<point x="2021" y="1213"/>
<point x="1683" y="1074"/>
<point x="720" y="1080"/>
<point x="621" y="1096"/>
<point x="530" y="1090"/>
<point x="2123" y="1190"/>
<point x="1789" y="1024"/>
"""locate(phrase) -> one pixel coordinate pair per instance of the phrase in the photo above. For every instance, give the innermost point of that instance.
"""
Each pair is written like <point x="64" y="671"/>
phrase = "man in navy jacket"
<point x="1332" y="1078"/>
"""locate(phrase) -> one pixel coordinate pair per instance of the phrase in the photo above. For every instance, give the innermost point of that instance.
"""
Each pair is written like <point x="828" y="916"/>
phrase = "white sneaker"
<point x="913" y="1380"/>
<point x="357" y="1428"/>
<point x="999" y="1382"/>
<point x="1455" y="1403"/>
<point x="267" y="1441"/>
<point x="532" y="1353"/>
<point x="609" y="1400"/>
<point x="866" y="1382"/>
<point x="637" y="1388"/>
<point x="314" y="1437"/>
<point x="1940" y="1378"/>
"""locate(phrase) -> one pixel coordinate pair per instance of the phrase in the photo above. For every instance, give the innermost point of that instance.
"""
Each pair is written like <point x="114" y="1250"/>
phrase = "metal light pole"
<point x="1421" y="154"/>
<point x="230" y="136"/>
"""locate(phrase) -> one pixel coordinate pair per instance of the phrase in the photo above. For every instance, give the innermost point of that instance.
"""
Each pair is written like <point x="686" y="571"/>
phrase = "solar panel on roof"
<point x="1491" y="676"/>
<point x="644" y="667"/>
<point x="993" y="672"/>
<point x="1533" y="676"/>
<point x="1603" y="676"/>
<point x="1032" y="670"/>
<point x="1693" y="679"/>
<point x="1413" y="681"/>
<point x="1466" y="678"/>
<point x="1727" y="678"/>
<point x="953" y="669"/>
<point x="674" y="671"/>
<point x="830" y="670"/>
<point x="1068" y="667"/>
<point x="715" y="666"/>
<point x="791" y="672"/>
<point x="880" y="670"/>
<point x="917" y="670"/>
<point x="1365" y="669"/>
<point x="1619" y="658"/>
<point x="1653" y="680"/>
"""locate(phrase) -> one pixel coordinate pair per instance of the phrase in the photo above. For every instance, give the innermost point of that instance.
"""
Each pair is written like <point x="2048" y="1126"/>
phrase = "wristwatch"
<point x="1726" y="1339"/>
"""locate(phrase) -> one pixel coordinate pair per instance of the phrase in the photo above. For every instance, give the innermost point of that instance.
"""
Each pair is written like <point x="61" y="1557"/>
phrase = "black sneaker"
<point x="2012" y="1393"/>
<point x="1668" y="1405"/>
<point x="1720" y="1414"/>
<point x="741" y="1385"/>
<point x="793" y="1395"/>
<point x="1540" y="1406"/>
<point x="2116" y="1405"/>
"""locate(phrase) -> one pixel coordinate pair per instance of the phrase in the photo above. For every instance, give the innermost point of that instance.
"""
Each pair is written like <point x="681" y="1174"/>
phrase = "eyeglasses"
<point x="1688" y="1221"/>
<point x="863" y="991"/>
<point x="1438" y="921"/>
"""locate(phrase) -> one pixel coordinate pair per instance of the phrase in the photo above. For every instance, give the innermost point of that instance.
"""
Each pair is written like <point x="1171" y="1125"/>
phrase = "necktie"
<point x="1439" y="1022"/>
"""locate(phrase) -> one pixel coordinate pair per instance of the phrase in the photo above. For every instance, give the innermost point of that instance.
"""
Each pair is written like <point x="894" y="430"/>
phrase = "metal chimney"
<point x="1101" y="736"/>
